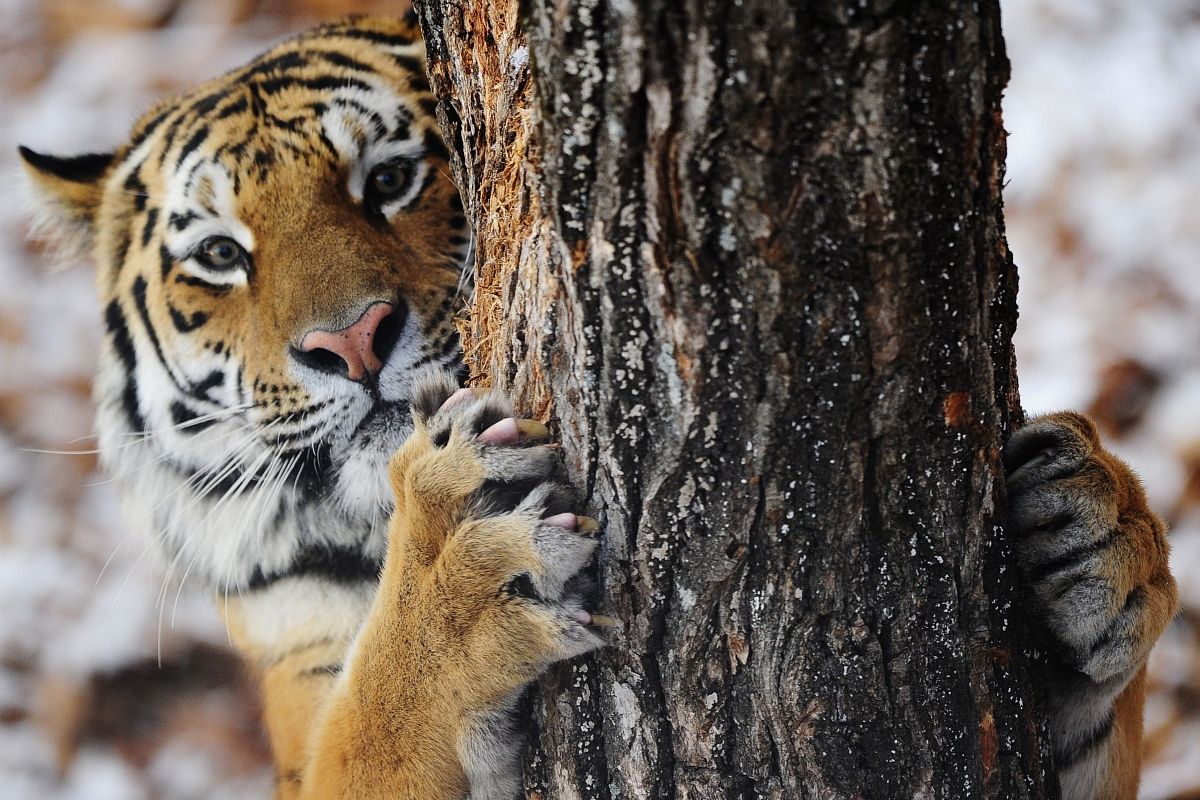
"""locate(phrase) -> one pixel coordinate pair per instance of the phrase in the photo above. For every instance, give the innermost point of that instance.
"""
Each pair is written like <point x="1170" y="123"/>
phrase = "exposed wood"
<point x="749" y="259"/>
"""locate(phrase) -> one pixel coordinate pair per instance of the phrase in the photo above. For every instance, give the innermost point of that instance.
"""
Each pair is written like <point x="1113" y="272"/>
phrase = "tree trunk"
<point x="748" y="258"/>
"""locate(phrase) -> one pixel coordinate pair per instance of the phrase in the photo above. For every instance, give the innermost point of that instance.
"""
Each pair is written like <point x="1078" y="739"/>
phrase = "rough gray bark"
<point x="749" y="260"/>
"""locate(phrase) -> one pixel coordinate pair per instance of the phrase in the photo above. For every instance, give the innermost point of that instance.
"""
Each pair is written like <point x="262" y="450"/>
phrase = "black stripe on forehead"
<point x="343" y="60"/>
<point x="236" y="107"/>
<point x="194" y="112"/>
<point x="247" y="91"/>
<point x="279" y="68"/>
<point x="207" y="103"/>
<point x="169" y="136"/>
<point x="284" y="62"/>
<point x="194" y="141"/>
<point x="324" y="83"/>
<point x="413" y="65"/>
<point x="378" y="37"/>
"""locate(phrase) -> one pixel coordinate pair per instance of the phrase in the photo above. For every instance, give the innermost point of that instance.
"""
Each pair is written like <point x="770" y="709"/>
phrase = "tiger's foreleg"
<point x="474" y="603"/>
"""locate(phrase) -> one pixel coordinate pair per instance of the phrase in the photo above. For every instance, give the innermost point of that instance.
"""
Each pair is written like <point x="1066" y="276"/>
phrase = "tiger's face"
<point x="279" y="251"/>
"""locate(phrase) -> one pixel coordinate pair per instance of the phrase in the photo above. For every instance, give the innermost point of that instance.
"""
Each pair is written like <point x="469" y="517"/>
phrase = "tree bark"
<point x="748" y="258"/>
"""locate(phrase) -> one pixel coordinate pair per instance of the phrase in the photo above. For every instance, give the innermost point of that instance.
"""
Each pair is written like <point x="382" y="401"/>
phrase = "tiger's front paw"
<point x="490" y="550"/>
<point x="1092" y="552"/>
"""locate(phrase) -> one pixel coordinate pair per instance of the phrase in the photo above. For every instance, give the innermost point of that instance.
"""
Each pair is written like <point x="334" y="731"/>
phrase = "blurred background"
<point x="112" y="688"/>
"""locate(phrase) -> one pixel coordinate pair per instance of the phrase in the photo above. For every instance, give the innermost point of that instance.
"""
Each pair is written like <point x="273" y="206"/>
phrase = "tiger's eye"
<point x="221" y="252"/>
<point x="389" y="180"/>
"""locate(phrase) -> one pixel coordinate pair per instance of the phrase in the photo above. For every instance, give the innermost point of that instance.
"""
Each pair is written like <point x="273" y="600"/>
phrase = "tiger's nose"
<point x="357" y="350"/>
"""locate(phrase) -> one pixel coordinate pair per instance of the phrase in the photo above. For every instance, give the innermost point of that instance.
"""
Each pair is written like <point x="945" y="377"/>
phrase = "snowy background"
<point x="1104" y="220"/>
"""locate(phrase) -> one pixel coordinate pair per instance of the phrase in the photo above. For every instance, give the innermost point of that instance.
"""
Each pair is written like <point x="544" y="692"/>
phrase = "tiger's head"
<point x="278" y="252"/>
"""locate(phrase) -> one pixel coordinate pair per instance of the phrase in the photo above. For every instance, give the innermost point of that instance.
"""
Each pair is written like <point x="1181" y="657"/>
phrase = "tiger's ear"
<point x="66" y="196"/>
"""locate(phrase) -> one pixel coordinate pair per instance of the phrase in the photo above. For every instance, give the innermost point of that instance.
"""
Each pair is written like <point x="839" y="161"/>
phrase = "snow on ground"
<point x="1104" y="168"/>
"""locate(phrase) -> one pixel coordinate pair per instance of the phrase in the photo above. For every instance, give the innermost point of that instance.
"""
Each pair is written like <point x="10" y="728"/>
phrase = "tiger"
<point x="279" y="254"/>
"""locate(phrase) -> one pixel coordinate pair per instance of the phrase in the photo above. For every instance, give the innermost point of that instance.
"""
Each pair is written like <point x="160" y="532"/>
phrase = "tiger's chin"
<point x="361" y="481"/>
<point x="335" y="526"/>
<point x="322" y="508"/>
